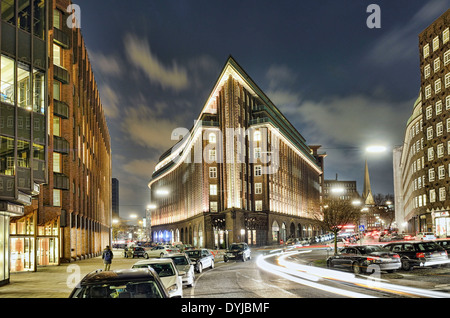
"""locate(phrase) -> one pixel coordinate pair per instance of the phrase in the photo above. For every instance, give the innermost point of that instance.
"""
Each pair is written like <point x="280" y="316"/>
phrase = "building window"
<point x="213" y="172"/>
<point x="427" y="71"/>
<point x="57" y="162"/>
<point x="213" y="206"/>
<point x="442" y="194"/>
<point x="257" y="153"/>
<point x="441" y="172"/>
<point x="447" y="80"/>
<point x="432" y="195"/>
<point x="428" y="91"/>
<point x="56" y="126"/>
<point x="258" y="188"/>
<point x="440" y="150"/>
<point x="56" y="197"/>
<point x="258" y="171"/>
<point x="436" y="43"/>
<point x="437" y="86"/>
<point x="57" y="56"/>
<point x="212" y="155"/>
<point x="39" y="92"/>
<point x="430" y="154"/>
<point x="431" y="174"/>
<point x="448" y="124"/>
<point x="213" y="189"/>
<point x="437" y="64"/>
<point x="439" y="129"/>
<point x="257" y="136"/>
<point x="57" y="19"/>
<point x="258" y="205"/>
<point x="429" y="112"/>
<point x="447" y="57"/>
<point x="429" y="133"/>
<point x="447" y="102"/>
<point x="426" y="50"/>
<point x="445" y="36"/>
<point x="438" y="107"/>
<point x="212" y="138"/>
<point x="7" y="93"/>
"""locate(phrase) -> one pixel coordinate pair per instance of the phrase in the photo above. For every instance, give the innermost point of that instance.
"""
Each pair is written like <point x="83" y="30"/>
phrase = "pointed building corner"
<point x="367" y="191"/>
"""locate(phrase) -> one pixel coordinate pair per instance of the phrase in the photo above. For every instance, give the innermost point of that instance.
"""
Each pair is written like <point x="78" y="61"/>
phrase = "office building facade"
<point x="70" y="218"/>
<point x="241" y="173"/>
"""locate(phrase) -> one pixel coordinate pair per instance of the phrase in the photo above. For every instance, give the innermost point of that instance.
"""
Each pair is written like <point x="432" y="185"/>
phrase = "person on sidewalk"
<point x="107" y="257"/>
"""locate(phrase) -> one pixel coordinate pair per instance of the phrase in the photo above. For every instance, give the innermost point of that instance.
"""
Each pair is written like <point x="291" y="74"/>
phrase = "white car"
<point x="184" y="264"/>
<point x="425" y="236"/>
<point x="167" y="272"/>
<point x="160" y="251"/>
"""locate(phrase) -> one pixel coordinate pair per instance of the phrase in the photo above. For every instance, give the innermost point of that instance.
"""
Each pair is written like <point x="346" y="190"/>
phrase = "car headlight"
<point x="172" y="288"/>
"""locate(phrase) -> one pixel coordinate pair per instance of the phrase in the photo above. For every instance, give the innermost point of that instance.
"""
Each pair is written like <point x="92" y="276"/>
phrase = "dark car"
<point x="419" y="254"/>
<point x="445" y="243"/>
<point x="237" y="251"/>
<point x="201" y="258"/>
<point x="124" y="283"/>
<point x="135" y="251"/>
<point x="359" y="257"/>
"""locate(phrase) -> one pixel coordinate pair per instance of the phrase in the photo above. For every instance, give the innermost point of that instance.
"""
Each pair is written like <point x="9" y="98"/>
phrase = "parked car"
<point x="184" y="264"/>
<point x="201" y="258"/>
<point x="135" y="251"/>
<point x="161" y="251"/>
<point x="445" y="243"/>
<point x="237" y="251"/>
<point x="359" y="257"/>
<point x="425" y="236"/>
<point x="167" y="272"/>
<point x="123" y="283"/>
<point x="419" y="253"/>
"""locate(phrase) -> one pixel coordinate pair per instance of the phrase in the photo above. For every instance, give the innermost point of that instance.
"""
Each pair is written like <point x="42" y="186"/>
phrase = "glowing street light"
<point x="376" y="149"/>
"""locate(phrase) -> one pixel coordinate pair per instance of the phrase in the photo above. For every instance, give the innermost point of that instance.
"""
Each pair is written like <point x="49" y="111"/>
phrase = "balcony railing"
<point x="60" y="109"/>
<point x="60" y="181"/>
<point x="61" y="74"/>
<point x="60" y="145"/>
<point x="61" y="38"/>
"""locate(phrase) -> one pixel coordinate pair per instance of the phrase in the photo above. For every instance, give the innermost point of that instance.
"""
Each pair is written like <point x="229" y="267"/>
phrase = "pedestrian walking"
<point x="107" y="257"/>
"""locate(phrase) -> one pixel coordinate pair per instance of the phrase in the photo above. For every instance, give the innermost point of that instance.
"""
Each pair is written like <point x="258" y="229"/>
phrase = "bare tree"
<point x="335" y="214"/>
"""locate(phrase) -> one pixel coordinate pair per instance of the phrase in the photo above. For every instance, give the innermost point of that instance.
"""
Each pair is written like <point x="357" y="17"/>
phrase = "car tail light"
<point x="371" y="259"/>
<point x="396" y="256"/>
<point x="420" y="255"/>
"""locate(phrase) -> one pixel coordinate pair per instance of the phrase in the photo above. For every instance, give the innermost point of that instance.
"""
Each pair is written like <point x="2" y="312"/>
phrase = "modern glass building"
<point x="23" y="119"/>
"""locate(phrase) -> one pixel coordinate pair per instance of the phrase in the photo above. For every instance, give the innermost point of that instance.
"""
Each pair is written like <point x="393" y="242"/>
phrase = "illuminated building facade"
<point x="70" y="218"/>
<point x="241" y="173"/>
<point x="421" y="165"/>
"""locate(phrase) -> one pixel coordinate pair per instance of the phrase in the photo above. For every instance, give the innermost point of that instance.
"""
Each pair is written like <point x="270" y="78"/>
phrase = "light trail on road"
<point x="311" y="276"/>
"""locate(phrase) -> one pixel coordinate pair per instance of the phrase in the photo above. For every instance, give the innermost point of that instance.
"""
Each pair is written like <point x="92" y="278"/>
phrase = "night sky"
<point x="341" y="84"/>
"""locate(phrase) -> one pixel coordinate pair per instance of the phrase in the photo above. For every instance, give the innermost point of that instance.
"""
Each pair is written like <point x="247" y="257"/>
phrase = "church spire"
<point x="367" y="192"/>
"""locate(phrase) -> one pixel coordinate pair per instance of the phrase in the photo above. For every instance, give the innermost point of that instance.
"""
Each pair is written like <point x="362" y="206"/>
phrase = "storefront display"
<point x="442" y="224"/>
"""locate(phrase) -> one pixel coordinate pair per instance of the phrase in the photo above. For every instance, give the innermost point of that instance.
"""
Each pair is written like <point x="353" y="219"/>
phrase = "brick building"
<point x="241" y="173"/>
<point x="70" y="218"/>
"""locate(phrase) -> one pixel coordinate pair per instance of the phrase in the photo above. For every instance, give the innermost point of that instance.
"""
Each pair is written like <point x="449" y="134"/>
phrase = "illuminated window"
<point x="447" y="57"/>
<point x="439" y="129"/>
<point x="213" y="189"/>
<point x="429" y="112"/>
<point x="257" y="136"/>
<point x="57" y="56"/>
<point x="57" y="162"/>
<point x="442" y="194"/>
<point x="427" y="71"/>
<point x="257" y="153"/>
<point x="440" y="150"/>
<point x="212" y="155"/>
<point x="258" y="188"/>
<point x="437" y="86"/>
<point x="436" y="43"/>
<point x="428" y="91"/>
<point x="431" y="174"/>
<point x="56" y="197"/>
<point x="441" y="172"/>
<point x="258" y="205"/>
<point x="213" y="172"/>
<point x="447" y="80"/>
<point x="448" y="124"/>
<point x="430" y="153"/>
<point x="445" y="35"/>
<point x="432" y="195"/>
<point x="213" y="206"/>
<point x="437" y="64"/>
<point x="438" y="107"/>
<point x="426" y="50"/>
<point x="212" y="138"/>
<point x="430" y="133"/>
<point x="258" y="171"/>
